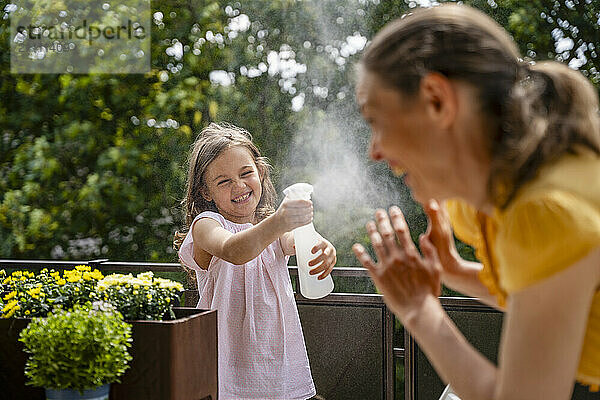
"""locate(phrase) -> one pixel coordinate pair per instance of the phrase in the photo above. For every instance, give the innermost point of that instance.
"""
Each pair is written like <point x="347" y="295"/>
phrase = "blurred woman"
<point x="513" y="149"/>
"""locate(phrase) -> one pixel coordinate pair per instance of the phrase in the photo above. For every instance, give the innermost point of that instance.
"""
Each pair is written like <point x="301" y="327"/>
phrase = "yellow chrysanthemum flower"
<point x="121" y="280"/>
<point x="10" y="295"/>
<point x="168" y="284"/>
<point x="12" y="312"/>
<point x="72" y="276"/>
<point x="146" y="276"/>
<point x="95" y="274"/>
<point x="10" y="305"/>
<point x="83" y="268"/>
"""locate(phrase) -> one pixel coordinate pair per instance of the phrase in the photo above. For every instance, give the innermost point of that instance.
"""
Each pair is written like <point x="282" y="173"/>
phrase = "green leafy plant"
<point x="143" y="297"/>
<point x="80" y="349"/>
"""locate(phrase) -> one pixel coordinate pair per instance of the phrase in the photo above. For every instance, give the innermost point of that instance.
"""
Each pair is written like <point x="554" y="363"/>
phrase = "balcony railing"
<point x="356" y="348"/>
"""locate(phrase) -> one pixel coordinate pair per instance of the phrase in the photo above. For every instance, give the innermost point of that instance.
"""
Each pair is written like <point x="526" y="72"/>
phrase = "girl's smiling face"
<point x="232" y="181"/>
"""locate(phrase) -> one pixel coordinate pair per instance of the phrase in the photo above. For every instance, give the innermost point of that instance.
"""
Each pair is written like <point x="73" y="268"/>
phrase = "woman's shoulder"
<point x="544" y="230"/>
<point x="578" y="174"/>
<point x="564" y="198"/>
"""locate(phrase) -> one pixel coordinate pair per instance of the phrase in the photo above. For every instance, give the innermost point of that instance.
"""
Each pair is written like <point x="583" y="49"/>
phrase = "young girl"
<point x="239" y="247"/>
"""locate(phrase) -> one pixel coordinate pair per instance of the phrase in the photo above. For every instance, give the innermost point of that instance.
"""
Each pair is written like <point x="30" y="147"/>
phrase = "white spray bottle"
<point x="305" y="238"/>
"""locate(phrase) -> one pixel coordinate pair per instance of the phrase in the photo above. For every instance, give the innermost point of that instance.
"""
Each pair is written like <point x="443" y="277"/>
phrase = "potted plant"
<point x="143" y="297"/>
<point x="174" y="348"/>
<point x="25" y="294"/>
<point x="78" y="353"/>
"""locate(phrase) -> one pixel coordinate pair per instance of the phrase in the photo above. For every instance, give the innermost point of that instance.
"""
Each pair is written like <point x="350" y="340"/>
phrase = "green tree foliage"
<point x="93" y="165"/>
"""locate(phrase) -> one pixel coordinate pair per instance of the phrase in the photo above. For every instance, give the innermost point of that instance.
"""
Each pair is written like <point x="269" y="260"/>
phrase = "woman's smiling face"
<point x="233" y="183"/>
<point x="403" y="135"/>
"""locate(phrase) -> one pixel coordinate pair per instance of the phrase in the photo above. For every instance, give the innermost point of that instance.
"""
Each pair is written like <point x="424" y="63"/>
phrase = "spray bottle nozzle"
<point x="298" y="191"/>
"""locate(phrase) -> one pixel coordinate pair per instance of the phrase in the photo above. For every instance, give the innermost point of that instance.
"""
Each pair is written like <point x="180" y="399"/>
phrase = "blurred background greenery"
<point x="94" y="165"/>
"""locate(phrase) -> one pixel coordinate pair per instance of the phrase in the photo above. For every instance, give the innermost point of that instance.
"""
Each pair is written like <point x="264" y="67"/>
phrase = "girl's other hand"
<point x="404" y="277"/>
<point x="328" y="258"/>
<point x="294" y="213"/>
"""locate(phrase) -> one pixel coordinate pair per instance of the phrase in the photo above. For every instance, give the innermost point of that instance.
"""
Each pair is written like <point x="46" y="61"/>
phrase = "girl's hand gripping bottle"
<point x="305" y="238"/>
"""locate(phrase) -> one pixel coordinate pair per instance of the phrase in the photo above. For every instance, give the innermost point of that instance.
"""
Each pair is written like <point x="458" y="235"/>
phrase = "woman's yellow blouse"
<point x="552" y="223"/>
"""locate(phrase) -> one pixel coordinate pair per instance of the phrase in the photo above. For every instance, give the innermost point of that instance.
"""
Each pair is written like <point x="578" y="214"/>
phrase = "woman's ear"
<point x="440" y="98"/>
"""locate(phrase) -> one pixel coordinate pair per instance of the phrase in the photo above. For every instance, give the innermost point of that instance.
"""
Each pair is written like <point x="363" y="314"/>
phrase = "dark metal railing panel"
<point x="388" y="338"/>
<point x="386" y="329"/>
<point x="411" y="349"/>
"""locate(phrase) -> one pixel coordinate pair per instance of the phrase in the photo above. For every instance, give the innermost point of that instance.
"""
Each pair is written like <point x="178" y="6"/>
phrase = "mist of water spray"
<point x="330" y="148"/>
<point x="329" y="151"/>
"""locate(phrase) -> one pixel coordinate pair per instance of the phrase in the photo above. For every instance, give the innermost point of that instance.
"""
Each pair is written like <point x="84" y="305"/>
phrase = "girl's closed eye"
<point x="221" y="183"/>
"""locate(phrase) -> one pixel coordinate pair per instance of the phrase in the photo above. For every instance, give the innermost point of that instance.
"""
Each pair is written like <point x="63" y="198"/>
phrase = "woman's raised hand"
<point x="402" y="274"/>
<point x="439" y="233"/>
<point x="294" y="213"/>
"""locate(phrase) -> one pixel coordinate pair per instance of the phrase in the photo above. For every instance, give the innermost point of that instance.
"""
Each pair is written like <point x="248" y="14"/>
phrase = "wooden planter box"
<point x="172" y="360"/>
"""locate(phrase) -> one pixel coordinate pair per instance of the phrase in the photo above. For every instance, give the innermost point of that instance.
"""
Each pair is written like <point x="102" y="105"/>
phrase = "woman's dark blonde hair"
<point x="536" y="112"/>
<point x="210" y="143"/>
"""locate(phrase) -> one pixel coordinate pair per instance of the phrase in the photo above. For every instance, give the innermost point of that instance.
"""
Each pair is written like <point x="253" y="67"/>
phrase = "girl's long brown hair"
<point x="536" y="113"/>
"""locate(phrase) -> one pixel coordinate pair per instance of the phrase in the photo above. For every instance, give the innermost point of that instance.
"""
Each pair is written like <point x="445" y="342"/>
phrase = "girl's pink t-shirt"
<point x="261" y="346"/>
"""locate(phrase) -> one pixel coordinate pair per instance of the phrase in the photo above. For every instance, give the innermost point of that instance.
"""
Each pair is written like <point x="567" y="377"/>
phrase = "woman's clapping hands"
<point x="401" y="273"/>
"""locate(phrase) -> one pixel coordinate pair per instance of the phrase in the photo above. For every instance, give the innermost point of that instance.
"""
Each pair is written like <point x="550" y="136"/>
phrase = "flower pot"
<point x="172" y="360"/>
<point x="100" y="393"/>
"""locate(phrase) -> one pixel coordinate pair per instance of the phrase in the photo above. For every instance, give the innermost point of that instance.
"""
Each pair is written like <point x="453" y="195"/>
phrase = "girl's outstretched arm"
<point x="239" y="248"/>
